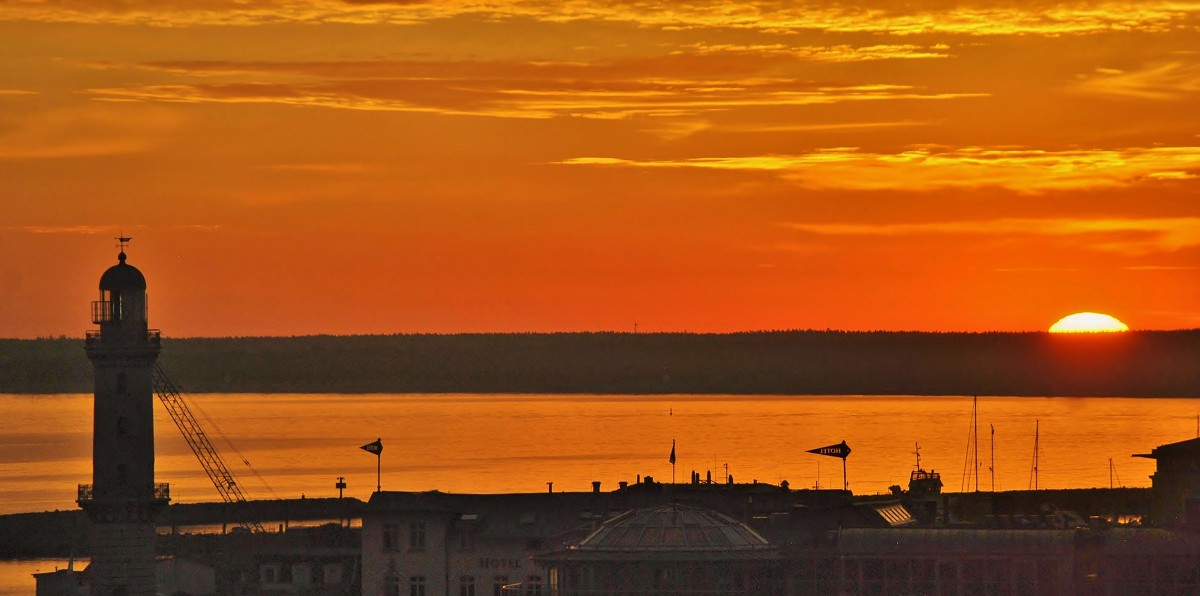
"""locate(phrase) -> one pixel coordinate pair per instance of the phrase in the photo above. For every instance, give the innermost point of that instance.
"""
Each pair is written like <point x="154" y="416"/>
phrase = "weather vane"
<point x="122" y="240"/>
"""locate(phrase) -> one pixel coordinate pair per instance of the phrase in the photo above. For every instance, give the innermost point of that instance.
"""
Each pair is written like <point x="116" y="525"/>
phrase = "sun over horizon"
<point x="1089" y="322"/>
<point x="323" y="167"/>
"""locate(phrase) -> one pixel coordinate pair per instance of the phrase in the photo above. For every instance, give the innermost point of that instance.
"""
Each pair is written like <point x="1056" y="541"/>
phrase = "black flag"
<point x="376" y="447"/>
<point x="841" y="450"/>
<point x="672" y="458"/>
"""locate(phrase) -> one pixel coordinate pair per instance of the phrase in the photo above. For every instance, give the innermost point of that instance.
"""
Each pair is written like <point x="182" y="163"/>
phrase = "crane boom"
<point x="201" y="446"/>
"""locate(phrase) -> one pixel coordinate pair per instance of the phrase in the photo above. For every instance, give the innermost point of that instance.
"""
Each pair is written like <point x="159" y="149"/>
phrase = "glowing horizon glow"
<point x="1088" y="322"/>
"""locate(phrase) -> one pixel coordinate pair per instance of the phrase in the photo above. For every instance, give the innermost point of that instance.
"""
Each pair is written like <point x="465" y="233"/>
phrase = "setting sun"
<point x="1088" y="322"/>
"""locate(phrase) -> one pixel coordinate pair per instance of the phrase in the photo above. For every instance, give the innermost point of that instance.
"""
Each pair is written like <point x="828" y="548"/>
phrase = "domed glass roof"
<point x="122" y="277"/>
<point x="673" y="528"/>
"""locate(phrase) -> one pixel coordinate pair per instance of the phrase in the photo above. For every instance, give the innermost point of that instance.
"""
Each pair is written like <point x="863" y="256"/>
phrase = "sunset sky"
<point x="318" y="166"/>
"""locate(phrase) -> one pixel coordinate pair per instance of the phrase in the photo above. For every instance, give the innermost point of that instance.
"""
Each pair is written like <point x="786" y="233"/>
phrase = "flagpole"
<point x="672" y="462"/>
<point x="376" y="448"/>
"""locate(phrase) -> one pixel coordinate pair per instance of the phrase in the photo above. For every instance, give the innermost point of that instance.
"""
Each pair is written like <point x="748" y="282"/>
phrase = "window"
<point x="392" y="587"/>
<point x="122" y="383"/>
<point x="466" y="585"/>
<point x="466" y="539"/>
<point x="122" y="474"/>
<point x="122" y="426"/>
<point x="391" y="536"/>
<point x="498" y="584"/>
<point x="332" y="573"/>
<point x="416" y="536"/>
<point x="268" y="574"/>
<point x="416" y="585"/>
<point x="534" y="585"/>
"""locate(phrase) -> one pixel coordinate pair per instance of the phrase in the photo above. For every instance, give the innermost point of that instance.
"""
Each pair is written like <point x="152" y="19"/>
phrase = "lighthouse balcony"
<point x="153" y="337"/>
<point x="160" y="491"/>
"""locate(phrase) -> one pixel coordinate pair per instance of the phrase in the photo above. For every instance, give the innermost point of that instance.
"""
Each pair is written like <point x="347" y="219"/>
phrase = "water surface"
<point x="301" y="443"/>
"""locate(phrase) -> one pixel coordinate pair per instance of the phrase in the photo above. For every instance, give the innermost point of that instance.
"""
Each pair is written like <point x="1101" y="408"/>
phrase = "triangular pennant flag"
<point x="841" y="450"/>
<point x="375" y="447"/>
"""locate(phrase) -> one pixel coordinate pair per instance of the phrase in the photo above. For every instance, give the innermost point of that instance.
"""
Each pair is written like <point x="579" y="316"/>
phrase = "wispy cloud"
<point x="831" y="53"/>
<point x="1119" y="235"/>
<point x="87" y="131"/>
<point x="665" y="86"/>
<point x="1024" y="170"/>
<point x="977" y="18"/>
<point x="1161" y="82"/>
<point x="324" y="168"/>
<point x="75" y="229"/>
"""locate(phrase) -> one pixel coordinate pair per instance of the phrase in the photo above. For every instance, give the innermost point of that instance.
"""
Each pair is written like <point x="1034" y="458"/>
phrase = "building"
<point x="123" y="498"/>
<point x="668" y="549"/>
<point x="1176" y="481"/>
<point x="427" y="543"/>
<point x="172" y="575"/>
<point x="422" y="544"/>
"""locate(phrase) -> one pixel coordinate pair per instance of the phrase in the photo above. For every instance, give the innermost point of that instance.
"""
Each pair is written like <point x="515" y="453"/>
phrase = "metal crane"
<point x="198" y="440"/>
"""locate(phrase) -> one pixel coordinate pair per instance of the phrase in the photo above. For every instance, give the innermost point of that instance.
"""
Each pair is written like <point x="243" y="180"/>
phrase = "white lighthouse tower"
<point x="123" y="497"/>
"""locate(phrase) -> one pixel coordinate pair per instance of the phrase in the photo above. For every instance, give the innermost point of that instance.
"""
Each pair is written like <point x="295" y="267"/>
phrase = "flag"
<point x="672" y="458"/>
<point x="376" y="447"/>
<point x="841" y="450"/>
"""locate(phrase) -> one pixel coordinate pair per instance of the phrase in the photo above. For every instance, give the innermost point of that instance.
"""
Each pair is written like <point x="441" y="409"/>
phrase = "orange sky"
<point x="318" y="166"/>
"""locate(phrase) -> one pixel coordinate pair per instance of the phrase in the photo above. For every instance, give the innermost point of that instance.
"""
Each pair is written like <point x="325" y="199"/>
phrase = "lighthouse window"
<point x="122" y="383"/>
<point x="122" y="426"/>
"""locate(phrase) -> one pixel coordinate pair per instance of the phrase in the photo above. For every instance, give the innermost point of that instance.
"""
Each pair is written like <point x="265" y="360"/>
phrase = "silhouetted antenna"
<point x="992" y="465"/>
<point x="1033" y="479"/>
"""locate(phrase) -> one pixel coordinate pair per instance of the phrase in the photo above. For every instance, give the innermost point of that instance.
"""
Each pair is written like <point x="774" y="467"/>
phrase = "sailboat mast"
<point x="1036" y="432"/>
<point x="975" y="432"/>
<point x="992" y="465"/>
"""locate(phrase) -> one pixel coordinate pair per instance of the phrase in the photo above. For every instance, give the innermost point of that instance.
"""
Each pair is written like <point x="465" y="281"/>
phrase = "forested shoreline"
<point x="1135" y="364"/>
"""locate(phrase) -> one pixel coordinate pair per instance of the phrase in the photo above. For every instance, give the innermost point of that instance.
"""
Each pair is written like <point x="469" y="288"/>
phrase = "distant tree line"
<point x="1135" y="364"/>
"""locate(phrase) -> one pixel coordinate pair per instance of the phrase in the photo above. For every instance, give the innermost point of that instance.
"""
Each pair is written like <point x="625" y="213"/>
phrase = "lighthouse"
<point x="123" y="498"/>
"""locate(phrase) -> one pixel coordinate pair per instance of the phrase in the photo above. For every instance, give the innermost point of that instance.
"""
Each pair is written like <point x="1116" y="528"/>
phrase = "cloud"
<point x="671" y="85"/>
<point x="893" y="17"/>
<point x="78" y="229"/>
<point x="86" y="131"/>
<point x="829" y="53"/>
<point x="1119" y="235"/>
<point x="1024" y="170"/>
<point x="1158" y="82"/>
<point x="324" y="168"/>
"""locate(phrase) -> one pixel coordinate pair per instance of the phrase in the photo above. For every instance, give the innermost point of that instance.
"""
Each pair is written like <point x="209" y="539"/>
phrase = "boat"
<point x="923" y="483"/>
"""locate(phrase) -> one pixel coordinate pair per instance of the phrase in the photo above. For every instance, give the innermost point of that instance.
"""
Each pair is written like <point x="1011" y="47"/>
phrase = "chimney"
<point x="624" y="485"/>
<point x="550" y="487"/>
<point x="595" y="487"/>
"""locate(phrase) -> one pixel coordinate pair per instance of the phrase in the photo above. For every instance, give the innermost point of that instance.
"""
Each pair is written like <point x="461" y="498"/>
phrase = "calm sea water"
<point x="301" y="444"/>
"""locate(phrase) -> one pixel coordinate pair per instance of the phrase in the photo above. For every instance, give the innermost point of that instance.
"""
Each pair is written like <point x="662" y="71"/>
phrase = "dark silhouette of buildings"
<point x="1176" y="483"/>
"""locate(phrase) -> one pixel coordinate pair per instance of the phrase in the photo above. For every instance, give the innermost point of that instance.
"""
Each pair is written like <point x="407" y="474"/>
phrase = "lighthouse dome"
<point x="122" y="277"/>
